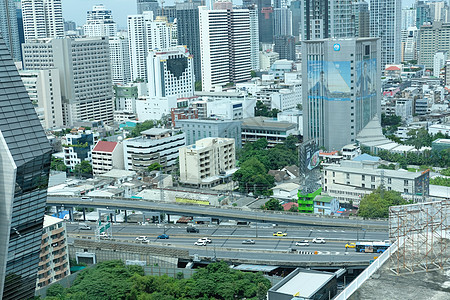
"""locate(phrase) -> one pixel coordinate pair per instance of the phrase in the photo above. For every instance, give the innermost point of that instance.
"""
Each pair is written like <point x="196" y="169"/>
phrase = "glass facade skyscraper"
<point x="25" y="155"/>
<point x="8" y="27"/>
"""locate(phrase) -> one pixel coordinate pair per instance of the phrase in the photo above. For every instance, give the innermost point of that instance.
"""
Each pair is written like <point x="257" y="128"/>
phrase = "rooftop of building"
<point x="49" y="221"/>
<point x="155" y="131"/>
<point x="324" y="198"/>
<point x="103" y="146"/>
<point x="288" y="186"/>
<point x="289" y="205"/>
<point x="441" y="141"/>
<point x="384" y="284"/>
<point x="208" y="142"/>
<point x="266" y="123"/>
<point x="369" y="168"/>
<point x="116" y="173"/>
<point x="366" y="157"/>
<point x="303" y="283"/>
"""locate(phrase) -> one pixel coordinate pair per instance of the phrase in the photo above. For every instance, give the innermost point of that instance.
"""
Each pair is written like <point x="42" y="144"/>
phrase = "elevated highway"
<point x="282" y="218"/>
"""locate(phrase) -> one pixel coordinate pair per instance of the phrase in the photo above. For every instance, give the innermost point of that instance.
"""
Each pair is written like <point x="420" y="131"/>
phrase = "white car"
<point x="104" y="235"/>
<point x="204" y="239"/>
<point x="318" y="241"/>
<point x="302" y="243"/>
<point x="200" y="243"/>
<point x="142" y="239"/>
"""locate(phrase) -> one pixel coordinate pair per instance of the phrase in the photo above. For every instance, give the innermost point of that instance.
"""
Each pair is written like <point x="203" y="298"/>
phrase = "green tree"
<point x="376" y="204"/>
<point x="84" y="167"/>
<point x="154" y="166"/>
<point x="252" y="176"/>
<point x="198" y="85"/>
<point x="57" y="164"/>
<point x="55" y="290"/>
<point x="272" y="204"/>
<point x="299" y="106"/>
<point x="442" y="181"/>
<point x="252" y="73"/>
<point x="141" y="127"/>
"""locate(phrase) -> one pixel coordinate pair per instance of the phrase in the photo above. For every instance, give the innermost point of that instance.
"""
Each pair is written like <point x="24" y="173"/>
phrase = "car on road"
<point x="83" y="226"/>
<point x="142" y="239"/>
<point x="249" y="241"/>
<point x="279" y="233"/>
<point x="350" y="245"/>
<point x="302" y="243"/>
<point x="205" y="239"/>
<point x="192" y="229"/>
<point x="86" y="198"/>
<point x="163" y="236"/>
<point x="104" y="235"/>
<point x="200" y="243"/>
<point x="318" y="241"/>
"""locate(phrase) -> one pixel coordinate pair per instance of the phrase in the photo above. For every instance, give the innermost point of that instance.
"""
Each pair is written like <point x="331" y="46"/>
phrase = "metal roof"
<point x="255" y="268"/>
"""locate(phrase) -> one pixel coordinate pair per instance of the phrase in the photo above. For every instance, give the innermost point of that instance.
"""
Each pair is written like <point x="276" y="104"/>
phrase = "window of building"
<point x="373" y="178"/>
<point x="405" y="182"/>
<point x="363" y="177"/>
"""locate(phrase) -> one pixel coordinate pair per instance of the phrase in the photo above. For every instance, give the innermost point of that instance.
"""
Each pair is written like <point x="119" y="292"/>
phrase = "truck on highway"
<point x="192" y="229"/>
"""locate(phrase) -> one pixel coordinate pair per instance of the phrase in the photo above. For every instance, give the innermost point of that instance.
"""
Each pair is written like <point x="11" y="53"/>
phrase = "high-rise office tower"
<point x="254" y="37"/>
<point x="99" y="22"/>
<point x="423" y="13"/>
<point x="25" y="156"/>
<point x="296" y="18"/>
<point x="361" y="17"/>
<point x="341" y="90"/>
<point x="432" y="39"/>
<point x="224" y="45"/>
<point x="410" y="39"/>
<point x="42" y="19"/>
<point x="9" y="28"/>
<point x="44" y="90"/>
<point x="145" y="34"/>
<point x="385" y="23"/>
<point x="408" y="17"/>
<point x="120" y="59"/>
<point x="265" y="19"/>
<point x="326" y="19"/>
<point x="439" y="11"/>
<point x="189" y="33"/>
<point x="20" y="24"/>
<point x="147" y="5"/>
<point x="282" y="21"/>
<point x="170" y="73"/>
<point x="285" y="46"/>
<point x="85" y="74"/>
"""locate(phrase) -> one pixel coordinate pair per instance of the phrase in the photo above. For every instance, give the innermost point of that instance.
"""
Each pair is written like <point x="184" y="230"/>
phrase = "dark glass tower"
<point x="189" y="33"/>
<point x="25" y="155"/>
<point x="147" y="5"/>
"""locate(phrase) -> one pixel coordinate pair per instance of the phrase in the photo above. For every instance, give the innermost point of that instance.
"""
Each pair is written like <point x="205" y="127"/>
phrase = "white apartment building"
<point x="84" y="73"/>
<point x="385" y="23"/>
<point x="54" y="255"/>
<point x="350" y="180"/>
<point x="267" y="58"/>
<point x="77" y="146"/>
<point x="154" y="145"/>
<point x="404" y="108"/>
<point x="254" y="38"/>
<point x="145" y="34"/>
<point x="154" y="108"/>
<point x="439" y="60"/>
<point x="107" y="156"/>
<point x="226" y="109"/>
<point x="225" y="45"/>
<point x="125" y="97"/>
<point x="99" y="22"/>
<point x="208" y="162"/>
<point x="170" y="72"/>
<point x="42" y="19"/>
<point x="44" y="90"/>
<point x="119" y="57"/>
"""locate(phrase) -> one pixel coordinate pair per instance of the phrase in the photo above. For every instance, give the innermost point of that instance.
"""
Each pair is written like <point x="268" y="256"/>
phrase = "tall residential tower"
<point x="42" y="19"/>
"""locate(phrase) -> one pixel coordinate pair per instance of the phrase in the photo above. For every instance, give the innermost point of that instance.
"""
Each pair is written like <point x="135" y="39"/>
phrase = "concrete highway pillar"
<point x="84" y="214"/>
<point x="126" y="218"/>
<point x="70" y="214"/>
<point x="168" y="218"/>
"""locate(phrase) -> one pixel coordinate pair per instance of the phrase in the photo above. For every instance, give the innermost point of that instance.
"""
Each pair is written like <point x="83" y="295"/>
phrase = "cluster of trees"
<point x="136" y="131"/>
<point x="272" y="204"/>
<point x="114" y="280"/>
<point x="263" y="111"/>
<point x="255" y="161"/>
<point x="376" y="204"/>
<point x="428" y="157"/>
<point x="57" y="164"/>
<point x="440" y="181"/>
<point x="83" y="168"/>
<point x="390" y="124"/>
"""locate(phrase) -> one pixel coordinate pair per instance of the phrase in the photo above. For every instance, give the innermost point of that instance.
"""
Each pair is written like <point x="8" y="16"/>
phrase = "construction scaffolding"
<point x="421" y="231"/>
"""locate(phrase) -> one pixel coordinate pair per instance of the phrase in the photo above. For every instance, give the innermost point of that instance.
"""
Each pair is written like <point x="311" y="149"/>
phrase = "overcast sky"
<point x="75" y="10"/>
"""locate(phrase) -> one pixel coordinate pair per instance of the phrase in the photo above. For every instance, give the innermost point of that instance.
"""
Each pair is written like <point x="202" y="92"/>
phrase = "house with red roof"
<point x="393" y="71"/>
<point x="107" y="156"/>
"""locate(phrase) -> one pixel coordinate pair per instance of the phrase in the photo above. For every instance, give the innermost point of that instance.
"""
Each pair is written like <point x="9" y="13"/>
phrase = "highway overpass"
<point x="281" y="218"/>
